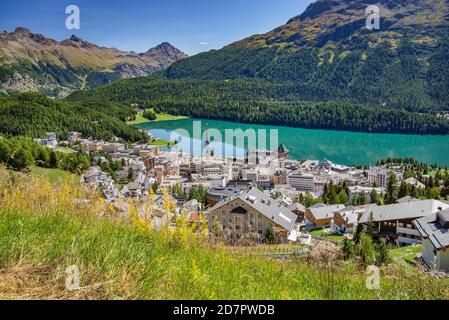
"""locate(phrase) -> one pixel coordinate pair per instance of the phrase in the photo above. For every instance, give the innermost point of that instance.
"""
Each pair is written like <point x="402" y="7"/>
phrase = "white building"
<point x="356" y="191"/>
<point x="50" y="140"/>
<point x="301" y="182"/>
<point x="435" y="244"/>
<point x="381" y="176"/>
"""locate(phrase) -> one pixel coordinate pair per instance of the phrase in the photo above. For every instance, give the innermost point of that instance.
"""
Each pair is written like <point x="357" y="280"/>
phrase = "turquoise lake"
<point x="339" y="146"/>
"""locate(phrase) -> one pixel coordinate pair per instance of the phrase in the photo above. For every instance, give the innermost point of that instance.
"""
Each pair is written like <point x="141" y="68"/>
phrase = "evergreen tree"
<point x="53" y="162"/>
<point x="362" y="200"/>
<point x="21" y="159"/>
<point x="374" y="197"/>
<point x="392" y="189"/>
<point x="355" y="200"/>
<point x="343" y="197"/>
<point x="403" y="190"/>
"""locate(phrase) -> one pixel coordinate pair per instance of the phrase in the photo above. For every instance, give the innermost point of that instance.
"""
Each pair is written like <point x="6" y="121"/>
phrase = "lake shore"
<point x="342" y="147"/>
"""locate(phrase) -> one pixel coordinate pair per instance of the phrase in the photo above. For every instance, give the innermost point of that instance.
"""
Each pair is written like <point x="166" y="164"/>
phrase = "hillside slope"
<point x="44" y="229"/>
<point x="31" y="114"/>
<point x="33" y="62"/>
<point x="329" y="52"/>
<point x="259" y="102"/>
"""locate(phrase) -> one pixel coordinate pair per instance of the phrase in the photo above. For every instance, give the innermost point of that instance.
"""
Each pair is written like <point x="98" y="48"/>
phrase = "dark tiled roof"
<point x="430" y="227"/>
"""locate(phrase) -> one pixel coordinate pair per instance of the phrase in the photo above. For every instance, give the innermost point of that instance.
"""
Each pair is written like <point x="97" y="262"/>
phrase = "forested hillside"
<point x="31" y="114"/>
<point x="255" y="101"/>
<point x="330" y="54"/>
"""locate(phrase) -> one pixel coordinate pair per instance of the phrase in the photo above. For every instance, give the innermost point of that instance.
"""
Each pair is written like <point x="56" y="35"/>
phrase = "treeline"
<point x="31" y="114"/>
<point x="19" y="153"/>
<point x="255" y="101"/>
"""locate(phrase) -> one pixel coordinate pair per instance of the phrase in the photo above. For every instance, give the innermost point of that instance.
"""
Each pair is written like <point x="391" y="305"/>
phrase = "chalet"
<point x="321" y="216"/>
<point x="299" y="210"/>
<point x="434" y="230"/>
<point x="346" y="220"/>
<point x="253" y="211"/>
<point x="395" y="222"/>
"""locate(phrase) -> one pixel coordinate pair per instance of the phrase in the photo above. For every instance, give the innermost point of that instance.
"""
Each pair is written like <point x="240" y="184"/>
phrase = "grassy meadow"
<point x="159" y="117"/>
<point x="46" y="227"/>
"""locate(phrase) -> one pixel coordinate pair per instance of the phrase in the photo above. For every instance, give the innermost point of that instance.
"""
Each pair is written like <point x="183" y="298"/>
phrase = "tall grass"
<point x="45" y="228"/>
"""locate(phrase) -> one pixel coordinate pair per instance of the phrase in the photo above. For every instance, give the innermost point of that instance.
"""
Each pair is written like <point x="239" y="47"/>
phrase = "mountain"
<point x="331" y="55"/>
<point x="33" y="62"/>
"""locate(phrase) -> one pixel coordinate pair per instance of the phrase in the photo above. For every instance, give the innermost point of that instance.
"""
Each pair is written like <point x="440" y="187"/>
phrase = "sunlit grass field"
<point x="159" y="117"/>
<point x="54" y="175"/>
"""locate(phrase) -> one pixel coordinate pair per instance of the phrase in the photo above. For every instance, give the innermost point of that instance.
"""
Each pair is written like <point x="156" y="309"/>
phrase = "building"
<point x="395" y="222"/>
<point x="301" y="182"/>
<point x="356" y="191"/>
<point x="74" y="137"/>
<point x="251" y="175"/>
<point x="184" y="169"/>
<point x="279" y="177"/>
<point x="381" y="176"/>
<point x="113" y="147"/>
<point x="148" y="162"/>
<point x="137" y="166"/>
<point x="99" y="180"/>
<point x="415" y="182"/>
<point x="91" y="146"/>
<point x="406" y="199"/>
<point x="50" y="140"/>
<point x="144" y="150"/>
<point x="299" y="210"/>
<point x="321" y="216"/>
<point x="282" y="152"/>
<point x="253" y="211"/>
<point x="327" y="165"/>
<point x="434" y="230"/>
<point x="346" y="220"/>
<point x="215" y="195"/>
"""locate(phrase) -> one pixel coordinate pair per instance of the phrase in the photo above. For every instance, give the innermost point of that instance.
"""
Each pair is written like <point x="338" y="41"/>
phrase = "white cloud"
<point x="203" y="44"/>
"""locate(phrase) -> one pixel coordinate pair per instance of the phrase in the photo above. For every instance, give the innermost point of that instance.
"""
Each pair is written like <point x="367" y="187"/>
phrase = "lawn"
<point x="159" y="117"/>
<point x="321" y="233"/>
<point x="55" y="175"/>
<point x="405" y="255"/>
<point x="160" y="143"/>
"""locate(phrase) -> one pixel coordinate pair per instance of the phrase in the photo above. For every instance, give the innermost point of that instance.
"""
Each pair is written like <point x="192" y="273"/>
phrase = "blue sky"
<point x="139" y="25"/>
